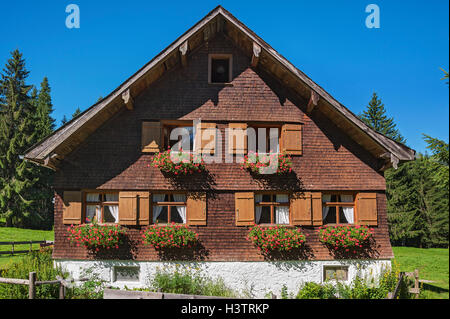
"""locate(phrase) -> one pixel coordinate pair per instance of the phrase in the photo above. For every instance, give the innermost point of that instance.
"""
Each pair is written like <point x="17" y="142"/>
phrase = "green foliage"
<point x="92" y="288"/>
<point x="39" y="262"/>
<point x="95" y="237"/>
<point x="312" y="290"/>
<point x="346" y="237"/>
<point x="375" y="117"/>
<point x="189" y="281"/>
<point x="169" y="236"/>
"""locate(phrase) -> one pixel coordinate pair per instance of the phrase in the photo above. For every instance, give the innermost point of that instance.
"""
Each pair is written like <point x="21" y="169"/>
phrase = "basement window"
<point x="126" y="273"/>
<point x="219" y="68"/>
<point x="335" y="273"/>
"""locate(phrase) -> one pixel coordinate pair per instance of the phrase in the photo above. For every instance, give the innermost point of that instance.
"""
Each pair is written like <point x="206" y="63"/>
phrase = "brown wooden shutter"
<point x="205" y="136"/>
<point x="196" y="209"/>
<point x="316" y="202"/>
<point x="291" y="139"/>
<point x="143" y="200"/>
<point x="245" y="208"/>
<point x="72" y="208"/>
<point x="128" y="206"/>
<point x="151" y="137"/>
<point x="366" y="209"/>
<point x="234" y="136"/>
<point x="301" y="209"/>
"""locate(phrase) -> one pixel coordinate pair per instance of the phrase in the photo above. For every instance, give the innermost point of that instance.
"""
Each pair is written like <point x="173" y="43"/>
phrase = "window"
<point x="169" y="208"/>
<point x="126" y="273"/>
<point x="219" y="66"/>
<point x="272" y="209"/>
<point x="182" y="131"/>
<point x="102" y="207"/>
<point x="263" y="139"/>
<point x="335" y="273"/>
<point x="338" y="208"/>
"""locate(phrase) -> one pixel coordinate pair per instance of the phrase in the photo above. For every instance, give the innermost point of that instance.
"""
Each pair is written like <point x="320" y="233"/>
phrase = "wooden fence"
<point x="42" y="243"/>
<point x="32" y="282"/>
<point x="414" y="290"/>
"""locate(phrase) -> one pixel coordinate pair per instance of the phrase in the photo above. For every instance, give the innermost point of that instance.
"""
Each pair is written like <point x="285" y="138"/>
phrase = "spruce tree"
<point x="76" y="113"/>
<point x="17" y="133"/>
<point x="375" y="117"/>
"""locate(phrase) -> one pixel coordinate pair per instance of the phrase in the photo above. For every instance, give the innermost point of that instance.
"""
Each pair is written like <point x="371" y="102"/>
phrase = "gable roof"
<point x="65" y="139"/>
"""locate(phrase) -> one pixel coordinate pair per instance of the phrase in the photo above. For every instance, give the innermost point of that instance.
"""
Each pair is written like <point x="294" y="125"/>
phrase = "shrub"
<point x="94" y="236"/>
<point x="40" y="262"/>
<point x="169" y="236"/>
<point x="91" y="289"/>
<point x="267" y="163"/>
<point x="312" y="290"/>
<point x="276" y="238"/>
<point x="345" y="237"/>
<point x="188" y="163"/>
<point x="186" y="281"/>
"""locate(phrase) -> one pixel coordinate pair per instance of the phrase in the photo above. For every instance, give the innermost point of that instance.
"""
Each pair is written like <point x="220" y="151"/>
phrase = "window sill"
<point x="274" y="225"/>
<point x="220" y="84"/>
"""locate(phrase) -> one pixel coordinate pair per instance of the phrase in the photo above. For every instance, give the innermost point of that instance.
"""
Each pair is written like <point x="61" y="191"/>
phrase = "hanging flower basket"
<point x="169" y="236"/>
<point x="347" y="238"/>
<point x="95" y="237"/>
<point x="272" y="163"/>
<point x="277" y="238"/>
<point x="183" y="163"/>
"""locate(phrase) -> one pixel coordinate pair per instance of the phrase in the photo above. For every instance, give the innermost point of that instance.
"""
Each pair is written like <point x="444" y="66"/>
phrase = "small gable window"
<point x="219" y="68"/>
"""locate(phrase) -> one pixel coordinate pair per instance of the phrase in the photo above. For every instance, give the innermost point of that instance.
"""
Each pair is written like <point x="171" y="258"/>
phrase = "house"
<point x="220" y="75"/>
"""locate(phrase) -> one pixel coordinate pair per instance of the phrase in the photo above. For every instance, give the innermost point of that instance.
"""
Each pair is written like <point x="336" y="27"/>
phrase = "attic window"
<point x="219" y="68"/>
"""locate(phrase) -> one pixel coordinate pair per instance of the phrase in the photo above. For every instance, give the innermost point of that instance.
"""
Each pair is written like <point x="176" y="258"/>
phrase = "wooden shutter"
<point x="196" y="209"/>
<point x="245" y="209"/>
<point x="301" y="209"/>
<point x="366" y="209"/>
<point x="316" y="204"/>
<point x="291" y="139"/>
<point x="72" y="208"/>
<point x="143" y="200"/>
<point x="235" y="147"/>
<point x="128" y="206"/>
<point x="151" y="137"/>
<point x="205" y="136"/>
<point x="306" y="208"/>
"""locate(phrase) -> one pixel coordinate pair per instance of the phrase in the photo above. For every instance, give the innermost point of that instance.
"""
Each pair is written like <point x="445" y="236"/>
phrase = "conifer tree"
<point x="375" y="117"/>
<point x="17" y="133"/>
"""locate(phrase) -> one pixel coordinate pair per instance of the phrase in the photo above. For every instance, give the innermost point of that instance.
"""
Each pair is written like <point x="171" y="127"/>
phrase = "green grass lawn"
<point x="17" y="234"/>
<point x="432" y="264"/>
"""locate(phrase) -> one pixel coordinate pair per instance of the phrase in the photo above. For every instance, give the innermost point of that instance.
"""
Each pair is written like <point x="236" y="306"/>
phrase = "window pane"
<point x="335" y="273"/>
<point x="282" y="215"/>
<point x="93" y="197"/>
<point x="342" y="219"/>
<point x="112" y="197"/>
<point x="175" y="216"/>
<point x="126" y="273"/>
<point x="111" y="214"/>
<point x="92" y="213"/>
<point x="162" y="217"/>
<point x="265" y="215"/>
<point x="331" y="217"/>
<point x="267" y="198"/>
<point x="220" y="70"/>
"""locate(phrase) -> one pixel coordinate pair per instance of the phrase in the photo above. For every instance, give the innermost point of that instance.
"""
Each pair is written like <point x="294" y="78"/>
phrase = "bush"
<point x="276" y="238"/>
<point x="312" y="290"/>
<point x="169" y="236"/>
<point x="40" y="262"/>
<point x="94" y="236"/>
<point x="185" y="281"/>
<point x="91" y="289"/>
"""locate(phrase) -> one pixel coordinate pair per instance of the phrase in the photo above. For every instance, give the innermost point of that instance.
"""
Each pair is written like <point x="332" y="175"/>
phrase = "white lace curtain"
<point x="282" y="212"/>
<point x="325" y="209"/>
<point x="157" y="209"/>
<point x="258" y="209"/>
<point x="93" y="212"/>
<point x="181" y="209"/>
<point x="114" y="209"/>
<point x="348" y="211"/>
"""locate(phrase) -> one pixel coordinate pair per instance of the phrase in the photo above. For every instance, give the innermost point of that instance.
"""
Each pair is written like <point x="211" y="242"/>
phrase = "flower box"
<point x="178" y="162"/>
<point x="348" y="237"/>
<point x="276" y="238"/>
<point x="95" y="237"/>
<point x="169" y="236"/>
<point x="271" y="163"/>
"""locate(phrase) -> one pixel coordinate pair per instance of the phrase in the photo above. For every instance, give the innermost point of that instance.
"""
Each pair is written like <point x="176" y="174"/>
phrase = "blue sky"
<point x="327" y="40"/>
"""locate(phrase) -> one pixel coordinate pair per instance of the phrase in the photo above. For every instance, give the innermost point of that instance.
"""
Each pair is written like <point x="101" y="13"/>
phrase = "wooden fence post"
<point x="32" y="285"/>
<point x="62" y="290"/>
<point x="416" y="282"/>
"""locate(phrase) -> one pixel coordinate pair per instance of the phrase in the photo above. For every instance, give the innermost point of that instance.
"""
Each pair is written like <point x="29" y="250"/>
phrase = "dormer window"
<point x="219" y="68"/>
